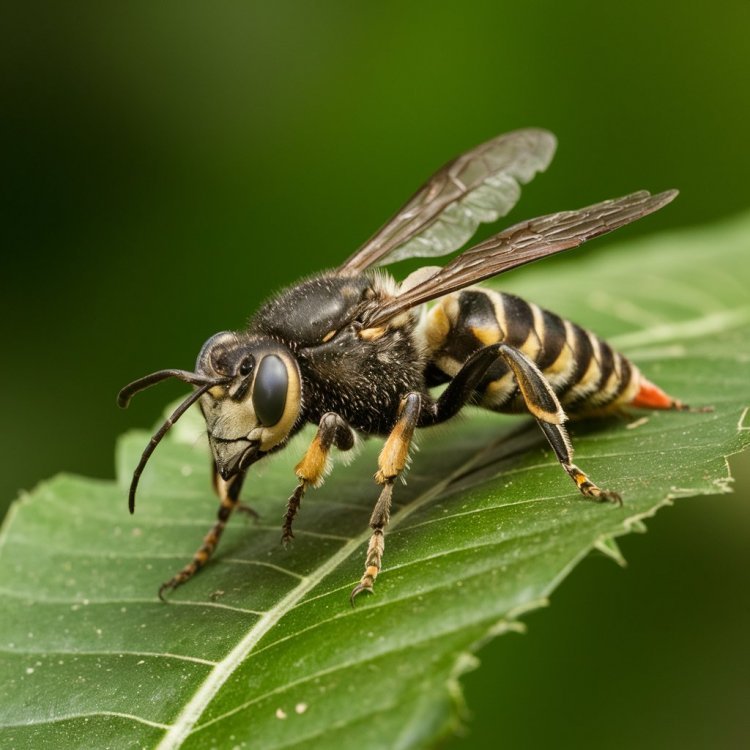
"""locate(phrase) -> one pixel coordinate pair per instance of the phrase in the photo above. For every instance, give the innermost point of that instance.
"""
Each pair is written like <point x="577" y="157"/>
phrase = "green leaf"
<point x="262" y="649"/>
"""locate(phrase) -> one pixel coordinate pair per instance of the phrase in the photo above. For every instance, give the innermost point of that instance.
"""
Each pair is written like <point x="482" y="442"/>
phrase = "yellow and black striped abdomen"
<point x="585" y="372"/>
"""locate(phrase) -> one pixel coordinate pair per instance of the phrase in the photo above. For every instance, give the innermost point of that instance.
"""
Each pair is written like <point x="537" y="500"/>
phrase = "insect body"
<point x="354" y="352"/>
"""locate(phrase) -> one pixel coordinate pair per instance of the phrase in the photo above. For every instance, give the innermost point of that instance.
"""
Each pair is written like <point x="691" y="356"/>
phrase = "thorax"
<point x="361" y="374"/>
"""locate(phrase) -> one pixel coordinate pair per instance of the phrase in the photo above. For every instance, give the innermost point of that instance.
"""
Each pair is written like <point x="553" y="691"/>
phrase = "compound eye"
<point x="270" y="390"/>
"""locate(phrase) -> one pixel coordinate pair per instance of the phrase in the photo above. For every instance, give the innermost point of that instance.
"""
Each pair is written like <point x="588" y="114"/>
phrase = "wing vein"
<point x="477" y="187"/>
<point x="524" y="243"/>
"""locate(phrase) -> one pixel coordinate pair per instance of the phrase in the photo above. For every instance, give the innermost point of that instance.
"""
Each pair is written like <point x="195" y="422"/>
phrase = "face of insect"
<point x="255" y="410"/>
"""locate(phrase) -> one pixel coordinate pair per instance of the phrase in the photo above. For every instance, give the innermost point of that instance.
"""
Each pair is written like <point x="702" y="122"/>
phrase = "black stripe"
<point x="434" y="376"/>
<point x="475" y="309"/>
<point x="583" y="353"/>
<point x="626" y="374"/>
<point x="519" y="320"/>
<point x="553" y="340"/>
<point x="606" y="364"/>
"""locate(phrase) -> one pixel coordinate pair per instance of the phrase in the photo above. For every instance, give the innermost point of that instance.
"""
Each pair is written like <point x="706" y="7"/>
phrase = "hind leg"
<point x="538" y="397"/>
<point x="558" y="438"/>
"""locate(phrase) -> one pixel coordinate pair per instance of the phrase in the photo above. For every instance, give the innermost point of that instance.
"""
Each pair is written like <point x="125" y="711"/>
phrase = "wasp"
<point x="356" y="353"/>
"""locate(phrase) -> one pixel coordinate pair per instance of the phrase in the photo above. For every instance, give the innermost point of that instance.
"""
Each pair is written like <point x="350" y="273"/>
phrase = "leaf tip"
<point x="608" y="546"/>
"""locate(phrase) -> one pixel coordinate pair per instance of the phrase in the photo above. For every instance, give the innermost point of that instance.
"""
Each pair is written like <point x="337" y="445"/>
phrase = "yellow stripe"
<point x="561" y="370"/>
<point x="497" y="304"/>
<point x="631" y="389"/>
<point x="439" y="323"/>
<point x="532" y="347"/>
<point x="498" y="390"/>
<point x="588" y="383"/>
<point x="485" y="334"/>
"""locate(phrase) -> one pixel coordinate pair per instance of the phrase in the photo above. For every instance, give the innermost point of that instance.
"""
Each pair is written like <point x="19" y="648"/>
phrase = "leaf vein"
<point x="87" y="602"/>
<point x="88" y="715"/>
<point x="186" y="721"/>
<point x="116" y="653"/>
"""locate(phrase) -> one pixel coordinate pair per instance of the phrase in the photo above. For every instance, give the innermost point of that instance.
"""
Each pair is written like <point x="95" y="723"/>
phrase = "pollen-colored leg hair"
<point x="229" y="493"/>
<point x="391" y="462"/>
<point x="311" y="470"/>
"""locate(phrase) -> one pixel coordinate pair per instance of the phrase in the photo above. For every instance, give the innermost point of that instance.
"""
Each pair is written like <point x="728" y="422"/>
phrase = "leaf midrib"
<point x="539" y="602"/>
<point x="186" y="720"/>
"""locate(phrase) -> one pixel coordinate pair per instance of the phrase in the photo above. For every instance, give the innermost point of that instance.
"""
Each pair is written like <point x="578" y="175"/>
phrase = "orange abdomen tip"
<point x="650" y="396"/>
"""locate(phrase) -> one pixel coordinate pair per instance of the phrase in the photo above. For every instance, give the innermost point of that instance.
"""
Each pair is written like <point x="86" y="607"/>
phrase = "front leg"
<point x="221" y="488"/>
<point x="229" y="495"/>
<point x="391" y="463"/>
<point x="311" y="470"/>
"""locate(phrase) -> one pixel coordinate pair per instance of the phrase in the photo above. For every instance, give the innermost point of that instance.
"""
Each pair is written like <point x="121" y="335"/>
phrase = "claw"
<point x="166" y="587"/>
<point x="287" y="537"/>
<point x="606" y="496"/>
<point x="248" y="511"/>
<point x="610" y="497"/>
<point x="358" y="589"/>
<point x="184" y="575"/>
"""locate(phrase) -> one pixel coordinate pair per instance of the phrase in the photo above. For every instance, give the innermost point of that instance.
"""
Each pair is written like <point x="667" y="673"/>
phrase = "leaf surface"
<point x="261" y="649"/>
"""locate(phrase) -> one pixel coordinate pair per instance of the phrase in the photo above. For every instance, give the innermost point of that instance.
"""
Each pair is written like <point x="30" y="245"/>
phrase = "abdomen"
<point x="587" y="375"/>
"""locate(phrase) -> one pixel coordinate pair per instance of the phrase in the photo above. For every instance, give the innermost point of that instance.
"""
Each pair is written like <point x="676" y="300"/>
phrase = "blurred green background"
<point x="167" y="165"/>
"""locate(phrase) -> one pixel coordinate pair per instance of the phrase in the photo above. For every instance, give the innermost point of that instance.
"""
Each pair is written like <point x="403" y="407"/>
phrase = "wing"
<point x="479" y="186"/>
<point x="521" y="244"/>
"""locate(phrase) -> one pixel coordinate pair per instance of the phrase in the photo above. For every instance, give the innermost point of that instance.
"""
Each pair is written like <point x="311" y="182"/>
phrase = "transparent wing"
<point x="524" y="243"/>
<point x="477" y="187"/>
